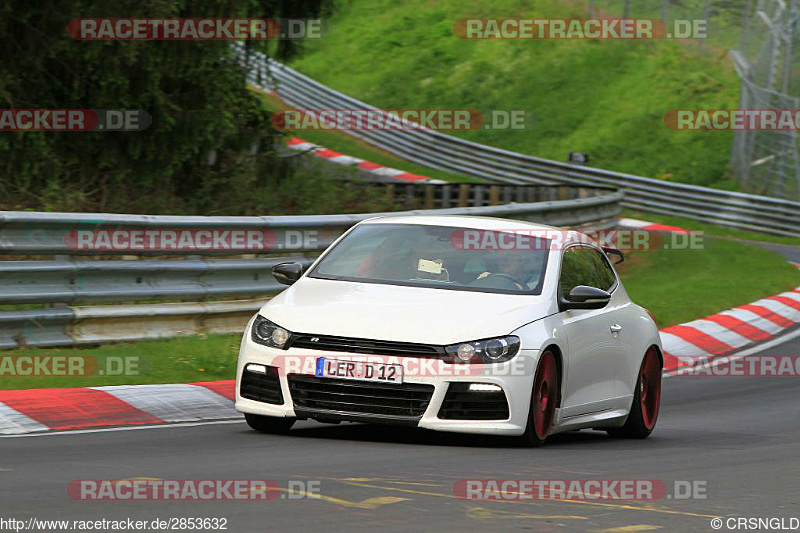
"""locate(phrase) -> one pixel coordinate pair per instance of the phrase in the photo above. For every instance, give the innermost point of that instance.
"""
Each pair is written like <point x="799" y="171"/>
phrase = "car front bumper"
<point x="514" y="377"/>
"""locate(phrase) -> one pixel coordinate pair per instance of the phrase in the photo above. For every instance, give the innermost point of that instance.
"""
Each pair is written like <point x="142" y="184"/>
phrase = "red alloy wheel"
<point x="545" y="395"/>
<point x="650" y="388"/>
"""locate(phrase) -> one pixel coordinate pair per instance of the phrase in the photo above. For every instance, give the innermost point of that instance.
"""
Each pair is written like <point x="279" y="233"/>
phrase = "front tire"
<point x="546" y="389"/>
<point x="269" y="424"/>
<point x="646" y="400"/>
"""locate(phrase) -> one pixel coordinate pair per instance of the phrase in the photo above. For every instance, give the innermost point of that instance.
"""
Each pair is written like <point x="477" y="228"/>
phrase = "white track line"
<point x="787" y="312"/>
<point x="174" y="403"/>
<point x="754" y="320"/>
<point x="633" y="223"/>
<point x="125" y="428"/>
<point x="679" y="347"/>
<point x="719" y="332"/>
<point x="13" y="422"/>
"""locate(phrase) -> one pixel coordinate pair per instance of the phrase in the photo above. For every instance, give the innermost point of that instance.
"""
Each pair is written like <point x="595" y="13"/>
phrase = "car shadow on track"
<point x="404" y="435"/>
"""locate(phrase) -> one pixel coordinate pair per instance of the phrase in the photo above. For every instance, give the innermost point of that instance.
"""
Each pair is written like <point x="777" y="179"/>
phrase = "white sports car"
<point x="454" y="323"/>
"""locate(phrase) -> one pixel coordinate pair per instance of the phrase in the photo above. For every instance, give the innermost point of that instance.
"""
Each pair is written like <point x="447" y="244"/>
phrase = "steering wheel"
<point x="507" y="277"/>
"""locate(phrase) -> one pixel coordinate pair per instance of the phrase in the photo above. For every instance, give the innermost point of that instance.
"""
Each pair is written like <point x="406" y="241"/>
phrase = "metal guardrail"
<point x="39" y="233"/>
<point x="445" y="152"/>
<point x="121" y="278"/>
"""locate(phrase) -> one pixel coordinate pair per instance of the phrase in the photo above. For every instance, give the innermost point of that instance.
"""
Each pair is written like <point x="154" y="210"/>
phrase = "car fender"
<point x="538" y="335"/>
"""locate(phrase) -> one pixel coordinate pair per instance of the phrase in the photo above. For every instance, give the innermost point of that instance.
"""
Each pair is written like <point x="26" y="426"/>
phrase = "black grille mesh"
<point x="462" y="404"/>
<point x="362" y="397"/>
<point x="261" y="387"/>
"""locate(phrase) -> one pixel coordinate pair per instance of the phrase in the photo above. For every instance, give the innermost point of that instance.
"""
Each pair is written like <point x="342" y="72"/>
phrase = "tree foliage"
<point x="207" y="127"/>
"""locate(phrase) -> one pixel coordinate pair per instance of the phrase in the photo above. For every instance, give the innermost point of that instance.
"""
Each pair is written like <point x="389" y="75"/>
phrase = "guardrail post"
<point x="507" y="193"/>
<point x="494" y="195"/>
<point x="446" y="196"/>
<point x="564" y="192"/>
<point x="429" y="199"/>
<point x="463" y="195"/>
<point x="409" y="196"/>
<point x="477" y="195"/>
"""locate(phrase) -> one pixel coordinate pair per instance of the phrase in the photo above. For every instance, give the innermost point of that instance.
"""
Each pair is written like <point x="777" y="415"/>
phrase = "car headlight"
<point x="269" y="334"/>
<point x="494" y="350"/>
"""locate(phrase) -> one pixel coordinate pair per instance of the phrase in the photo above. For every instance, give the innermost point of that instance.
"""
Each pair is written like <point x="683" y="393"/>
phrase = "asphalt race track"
<point x="739" y="435"/>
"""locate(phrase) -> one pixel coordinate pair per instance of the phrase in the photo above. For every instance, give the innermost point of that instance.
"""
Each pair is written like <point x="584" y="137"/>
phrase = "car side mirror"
<point x="585" y="297"/>
<point x="616" y="253"/>
<point x="287" y="273"/>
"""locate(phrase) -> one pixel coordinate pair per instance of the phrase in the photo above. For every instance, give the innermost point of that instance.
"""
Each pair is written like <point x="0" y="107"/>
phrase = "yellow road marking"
<point x="481" y="513"/>
<point x="650" y="508"/>
<point x="114" y="481"/>
<point x="415" y="483"/>
<point x="369" y="503"/>
<point x="393" y="481"/>
<point x="627" y="529"/>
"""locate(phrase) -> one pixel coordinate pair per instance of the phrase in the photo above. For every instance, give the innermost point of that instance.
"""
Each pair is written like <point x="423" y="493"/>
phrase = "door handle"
<point x="616" y="328"/>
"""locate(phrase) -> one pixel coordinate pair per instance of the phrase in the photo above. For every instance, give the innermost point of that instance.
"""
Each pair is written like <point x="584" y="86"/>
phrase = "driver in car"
<point x="515" y="265"/>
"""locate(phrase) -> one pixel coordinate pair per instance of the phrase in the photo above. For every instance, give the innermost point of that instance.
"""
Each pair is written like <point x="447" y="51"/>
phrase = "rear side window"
<point x="585" y="266"/>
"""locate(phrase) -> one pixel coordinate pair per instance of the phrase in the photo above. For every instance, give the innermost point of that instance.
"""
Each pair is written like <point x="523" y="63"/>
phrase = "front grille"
<point x="330" y="343"/>
<point x="261" y="387"/>
<point x="407" y="400"/>
<point x="462" y="404"/>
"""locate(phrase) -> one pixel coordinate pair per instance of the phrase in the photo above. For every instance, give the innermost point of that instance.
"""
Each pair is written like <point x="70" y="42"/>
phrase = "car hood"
<point x="396" y="313"/>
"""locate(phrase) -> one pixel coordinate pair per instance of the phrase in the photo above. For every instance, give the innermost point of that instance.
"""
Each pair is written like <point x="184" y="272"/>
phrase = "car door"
<point x="596" y="357"/>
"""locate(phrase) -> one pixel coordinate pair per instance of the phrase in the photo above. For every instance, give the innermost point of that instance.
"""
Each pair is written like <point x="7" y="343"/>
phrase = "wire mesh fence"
<point x="719" y="20"/>
<point x="766" y="162"/>
<point x="763" y="35"/>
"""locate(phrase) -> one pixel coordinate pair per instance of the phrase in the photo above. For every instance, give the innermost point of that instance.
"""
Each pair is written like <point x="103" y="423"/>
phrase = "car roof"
<point x="471" y="222"/>
<point x="461" y="221"/>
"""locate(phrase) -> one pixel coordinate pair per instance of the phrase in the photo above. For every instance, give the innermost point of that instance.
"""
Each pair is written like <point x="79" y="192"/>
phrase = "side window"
<point x="605" y="275"/>
<point x="585" y="266"/>
<point x="576" y="269"/>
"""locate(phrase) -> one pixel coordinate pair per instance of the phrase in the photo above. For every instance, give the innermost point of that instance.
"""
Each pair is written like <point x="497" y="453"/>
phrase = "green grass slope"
<point x="606" y="98"/>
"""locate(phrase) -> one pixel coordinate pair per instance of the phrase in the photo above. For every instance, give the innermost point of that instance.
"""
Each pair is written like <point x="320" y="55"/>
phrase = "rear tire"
<point x="544" y="398"/>
<point x="646" y="400"/>
<point x="269" y="424"/>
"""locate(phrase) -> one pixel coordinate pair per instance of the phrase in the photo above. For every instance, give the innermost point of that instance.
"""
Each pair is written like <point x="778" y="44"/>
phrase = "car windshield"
<point x="415" y="255"/>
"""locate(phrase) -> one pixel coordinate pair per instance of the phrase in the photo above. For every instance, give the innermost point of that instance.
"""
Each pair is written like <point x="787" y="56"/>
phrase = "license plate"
<point x="358" y="370"/>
